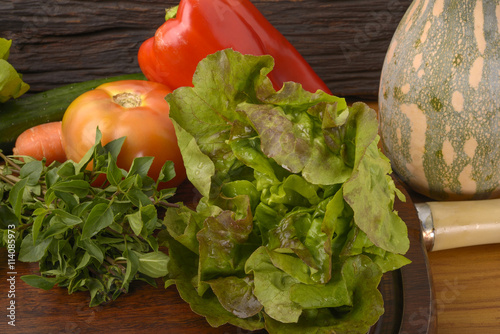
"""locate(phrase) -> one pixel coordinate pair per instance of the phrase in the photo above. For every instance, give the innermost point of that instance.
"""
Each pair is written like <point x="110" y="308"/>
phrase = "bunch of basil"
<point x="296" y="225"/>
<point x="85" y="237"/>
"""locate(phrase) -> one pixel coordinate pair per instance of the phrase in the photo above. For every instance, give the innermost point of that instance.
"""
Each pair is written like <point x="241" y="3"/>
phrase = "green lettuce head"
<point x="295" y="226"/>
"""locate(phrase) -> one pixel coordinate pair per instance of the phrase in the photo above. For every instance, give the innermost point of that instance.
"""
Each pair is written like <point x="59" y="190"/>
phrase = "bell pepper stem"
<point x="171" y="13"/>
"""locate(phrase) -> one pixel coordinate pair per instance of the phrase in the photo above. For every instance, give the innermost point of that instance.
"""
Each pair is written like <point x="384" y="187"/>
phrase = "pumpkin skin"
<point x="439" y="99"/>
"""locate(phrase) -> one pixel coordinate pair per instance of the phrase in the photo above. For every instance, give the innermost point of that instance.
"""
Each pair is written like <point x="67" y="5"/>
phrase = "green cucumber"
<point x="19" y="115"/>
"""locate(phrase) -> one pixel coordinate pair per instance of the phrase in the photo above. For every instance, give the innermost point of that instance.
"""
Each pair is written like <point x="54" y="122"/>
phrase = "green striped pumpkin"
<point x="439" y="99"/>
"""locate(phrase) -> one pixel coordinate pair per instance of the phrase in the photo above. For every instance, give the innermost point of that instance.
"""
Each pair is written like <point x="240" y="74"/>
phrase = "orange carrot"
<point x="41" y="141"/>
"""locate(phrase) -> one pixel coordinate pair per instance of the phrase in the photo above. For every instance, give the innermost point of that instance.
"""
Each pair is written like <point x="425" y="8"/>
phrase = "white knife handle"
<point x="447" y="225"/>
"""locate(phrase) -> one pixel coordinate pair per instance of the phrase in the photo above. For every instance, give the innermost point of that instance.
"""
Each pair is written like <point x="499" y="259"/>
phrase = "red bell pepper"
<point x="202" y="27"/>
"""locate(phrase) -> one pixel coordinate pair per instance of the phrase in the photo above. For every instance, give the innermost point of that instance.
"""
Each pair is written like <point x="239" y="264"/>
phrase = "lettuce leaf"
<point x="11" y="82"/>
<point x="296" y="225"/>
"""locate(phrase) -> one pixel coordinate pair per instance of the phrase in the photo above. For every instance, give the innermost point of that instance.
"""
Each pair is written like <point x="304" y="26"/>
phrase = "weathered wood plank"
<point x="62" y="41"/>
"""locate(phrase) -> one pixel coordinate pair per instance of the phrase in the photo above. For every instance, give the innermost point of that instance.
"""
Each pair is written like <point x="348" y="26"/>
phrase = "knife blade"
<point x="448" y="225"/>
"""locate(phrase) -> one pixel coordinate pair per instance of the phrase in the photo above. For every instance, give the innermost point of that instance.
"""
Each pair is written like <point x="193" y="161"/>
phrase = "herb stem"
<point x="10" y="162"/>
<point x="164" y="203"/>
<point x="7" y="180"/>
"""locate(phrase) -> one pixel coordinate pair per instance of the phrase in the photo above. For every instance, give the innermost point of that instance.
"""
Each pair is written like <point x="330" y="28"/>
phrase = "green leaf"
<point x="16" y="196"/>
<point x="31" y="251"/>
<point x="135" y="222"/>
<point x="199" y="167"/>
<point x="144" y="220"/>
<point x="272" y="288"/>
<point x="66" y="217"/>
<point x="371" y="193"/>
<point x="210" y="307"/>
<point x="362" y="278"/>
<point x="56" y="227"/>
<point x="335" y="293"/>
<point x="138" y="197"/>
<point x="193" y="108"/>
<point x="132" y="266"/>
<point x="140" y="166"/>
<point x="149" y="217"/>
<point x="37" y="225"/>
<point x="80" y="188"/>
<point x="167" y="193"/>
<point x="236" y="296"/>
<point x="153" y="242"/>
<point x="32" y="171"/>
<point x="100" y="217"/>
<point x="183" y="225"/>
<point x="114" y="174"/>
<point x="224" y="244"/>
<point x="182" y="271"/>
<point x="83" y="261"/>
<point x="37" y="281"/>
<point x="85" y="160"/>
<point x="92" y="249"/>
<point x="5" y="45"/>
<point x="97" y="291"/>
<point x="65" y="170"/>
<point x="7" y="217"/>
<point x="82" y="208"/>
<point x="167" y="172"/>
<point x="113" y="147"/>
<point x="153" y="264"/>
<point x="11" y="83"/>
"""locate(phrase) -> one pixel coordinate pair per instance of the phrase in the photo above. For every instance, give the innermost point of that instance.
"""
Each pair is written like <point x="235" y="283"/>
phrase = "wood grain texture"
<point x="467" y="289"/>
<point x="57" y="42"/>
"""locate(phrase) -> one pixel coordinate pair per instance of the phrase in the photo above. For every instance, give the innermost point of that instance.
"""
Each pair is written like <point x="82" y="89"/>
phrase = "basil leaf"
<point x="16" y="196"/>
<point x="80" y="188"/>
<point x="167" y="172"/>
<point x="66" y="217"/>
<point x="32" y="171"/>
<point x="113" y="174"/>
<point x="135" y="222"/>
<point x="154" y="264"/>
<point x="99" y="217"/>
<point x="92" y="249"/>
<point x="113" y="148"/>
<point x="140" y="166"/>
<point x="41" y="282"/>
<point x="7" y="217"/>
<point x="31" y="251"/>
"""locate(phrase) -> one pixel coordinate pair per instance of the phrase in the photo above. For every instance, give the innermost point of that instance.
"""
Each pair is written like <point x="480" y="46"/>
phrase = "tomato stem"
<point x="127" y="100"/>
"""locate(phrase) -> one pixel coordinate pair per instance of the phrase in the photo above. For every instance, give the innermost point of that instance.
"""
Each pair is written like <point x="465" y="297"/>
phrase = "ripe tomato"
<point x="134" y="109"/>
